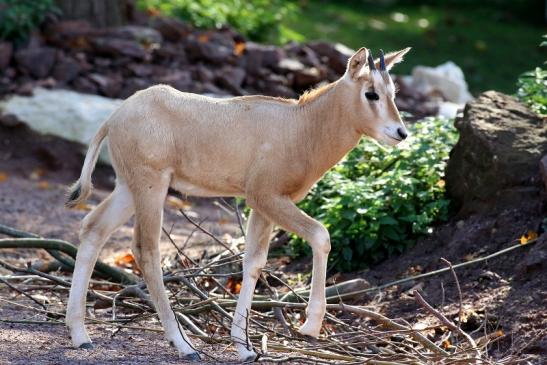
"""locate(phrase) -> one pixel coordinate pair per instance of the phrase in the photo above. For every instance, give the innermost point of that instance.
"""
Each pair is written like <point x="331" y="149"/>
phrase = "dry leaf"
<point x="37" y="174"/>
<point x="528" y="236"/>
<point x="441" y="183"/>
<point x="44" y="185"/>
<point x="239" y="48"/>
<point x="203" y="38"/>
<point x="222" y="221"/>
<point x="233" y="286"/>
<point x="177" y="203"/>
<point x="470" y="256"/>
<point x="123" y="260"/>
<point x="446" y="344"/>
<point x="153" y="12"/>
<point x="3" y="177"/>
<point x="82" y="206"/>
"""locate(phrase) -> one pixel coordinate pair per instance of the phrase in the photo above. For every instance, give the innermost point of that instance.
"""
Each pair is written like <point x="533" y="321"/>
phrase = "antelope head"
<point x="373" y="94"/>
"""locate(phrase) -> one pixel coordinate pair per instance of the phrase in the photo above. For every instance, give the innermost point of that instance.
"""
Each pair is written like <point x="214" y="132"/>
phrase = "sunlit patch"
<point x="399" y="17"/>
<point x="423" y="23"/>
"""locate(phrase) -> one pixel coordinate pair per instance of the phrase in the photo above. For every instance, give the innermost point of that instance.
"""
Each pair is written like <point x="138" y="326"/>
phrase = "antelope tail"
<point x="81" y="189"/>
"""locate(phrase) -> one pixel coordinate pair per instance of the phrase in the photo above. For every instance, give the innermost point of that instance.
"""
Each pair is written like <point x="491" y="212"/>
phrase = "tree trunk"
<point x="101" y="13"/>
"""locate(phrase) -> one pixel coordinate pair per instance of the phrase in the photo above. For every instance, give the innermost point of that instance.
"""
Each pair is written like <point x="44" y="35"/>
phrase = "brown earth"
<point x="508" y="292"/>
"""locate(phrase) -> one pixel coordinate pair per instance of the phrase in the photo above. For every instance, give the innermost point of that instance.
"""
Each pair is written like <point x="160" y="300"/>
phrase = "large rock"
<point x="496" y="160"/>
<point x="62" y="113"/>
<point x="446" y="80"/>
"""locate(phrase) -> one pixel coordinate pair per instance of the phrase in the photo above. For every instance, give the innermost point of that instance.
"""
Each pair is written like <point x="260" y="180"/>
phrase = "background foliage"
<point x="257" y="19"/>
<point x="532" y="88"/>
<point x="19" y="17"/>
<point x="475" y="35"/>
<point x="377" y="201"/>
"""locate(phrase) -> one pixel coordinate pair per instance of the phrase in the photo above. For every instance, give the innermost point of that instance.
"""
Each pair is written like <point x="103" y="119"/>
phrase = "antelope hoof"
<point x="247" y="355"/>
<point x="250" y="358"/>
<point x="310" y="330"/>
<point x="86" y="346"/>
<point x="194" y="356"/>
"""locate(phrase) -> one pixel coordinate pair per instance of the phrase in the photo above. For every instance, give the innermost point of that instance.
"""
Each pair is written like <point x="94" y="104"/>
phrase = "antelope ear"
<point x="393" y="58"/>
<point x="356" y="63"/>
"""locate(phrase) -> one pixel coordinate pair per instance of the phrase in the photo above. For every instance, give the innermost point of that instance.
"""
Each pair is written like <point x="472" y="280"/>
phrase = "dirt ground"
<point x="508" y="293"/>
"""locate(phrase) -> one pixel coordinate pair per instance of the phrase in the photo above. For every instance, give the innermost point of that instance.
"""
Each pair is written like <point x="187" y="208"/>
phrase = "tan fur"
<point x="268" y="150"/>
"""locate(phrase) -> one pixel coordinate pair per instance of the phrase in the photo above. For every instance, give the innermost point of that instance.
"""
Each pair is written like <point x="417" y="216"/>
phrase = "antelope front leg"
<point x="256" y="252"/>
<point x="285" y="213"/>
<point x="315" y="312"/>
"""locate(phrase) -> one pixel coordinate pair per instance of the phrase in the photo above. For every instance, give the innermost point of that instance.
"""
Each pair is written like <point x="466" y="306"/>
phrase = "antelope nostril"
<point x="402" y="133"/>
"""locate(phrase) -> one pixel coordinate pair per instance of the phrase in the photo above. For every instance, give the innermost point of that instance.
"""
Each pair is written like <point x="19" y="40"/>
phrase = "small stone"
<point x="133" y="85"/>
<point x="231" y="78"/>
<point x="180" y="80"/>
<point x="308" y="77"/>
<point x="6" y="51"/>
<point x="171" y="29"/>
<point x="290" y="65"/>
<point x="36" y="61"/>
<point x="85" y="85"/>
<point x="66" y="69"/>
<point x="118" y="47"/>
<point x="543" y="169"/>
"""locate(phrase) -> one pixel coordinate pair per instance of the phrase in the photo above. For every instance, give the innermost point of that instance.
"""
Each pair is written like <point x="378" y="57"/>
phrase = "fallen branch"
<point x="435" y="272"/>
<point x="29" y="240"/>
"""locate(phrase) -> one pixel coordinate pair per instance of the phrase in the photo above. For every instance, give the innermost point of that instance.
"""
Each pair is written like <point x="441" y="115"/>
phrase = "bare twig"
<point x="198" y="226"/>
<point x="13" y="287"/>
<point x="421" y="301"/>
<point x="460" y="312"/>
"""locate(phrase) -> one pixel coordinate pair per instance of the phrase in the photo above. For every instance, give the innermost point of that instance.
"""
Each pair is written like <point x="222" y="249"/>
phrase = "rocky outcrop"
<point x="116" y="62"/>
<point x="496" y="160"/>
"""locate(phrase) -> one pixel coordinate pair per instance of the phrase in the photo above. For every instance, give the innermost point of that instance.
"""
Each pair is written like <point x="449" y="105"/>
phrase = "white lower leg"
<point x="317" y="302"/>
<point x="240" y="322"/>
<point x="256" y="253"/>
<point x="75" y="313"/>
<point x="173" y="333"/>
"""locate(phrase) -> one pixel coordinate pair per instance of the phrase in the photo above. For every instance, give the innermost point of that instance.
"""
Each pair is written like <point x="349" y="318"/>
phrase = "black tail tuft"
<point x="74" y="194"/>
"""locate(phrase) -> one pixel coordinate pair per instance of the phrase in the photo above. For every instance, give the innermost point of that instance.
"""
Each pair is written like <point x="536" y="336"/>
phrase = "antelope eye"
<point x="371" y="95"/>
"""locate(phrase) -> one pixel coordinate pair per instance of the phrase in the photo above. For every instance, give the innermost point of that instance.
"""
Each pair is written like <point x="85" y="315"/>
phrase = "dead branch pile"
<point x="204" y="293"/>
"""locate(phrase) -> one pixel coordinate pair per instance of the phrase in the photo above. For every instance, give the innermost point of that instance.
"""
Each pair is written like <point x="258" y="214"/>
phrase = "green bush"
<point x="376" y="202"/>
<point x="257" y="19"/>
<point x="532" y="88"/>
<point x="19" y="17"/>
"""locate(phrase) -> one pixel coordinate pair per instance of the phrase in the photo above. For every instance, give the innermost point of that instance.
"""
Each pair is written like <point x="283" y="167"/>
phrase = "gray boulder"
<point x="62" y="113"/>
<point x="496" y="160"/>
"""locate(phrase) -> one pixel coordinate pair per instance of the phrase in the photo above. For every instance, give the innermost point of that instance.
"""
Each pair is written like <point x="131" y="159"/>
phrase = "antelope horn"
<point x="382" y="61"/>
<point x="371" y="61"/>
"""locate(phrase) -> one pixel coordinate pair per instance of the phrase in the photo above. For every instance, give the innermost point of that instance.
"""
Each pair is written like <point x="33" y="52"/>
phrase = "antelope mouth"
<point x="394" y="138"/>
